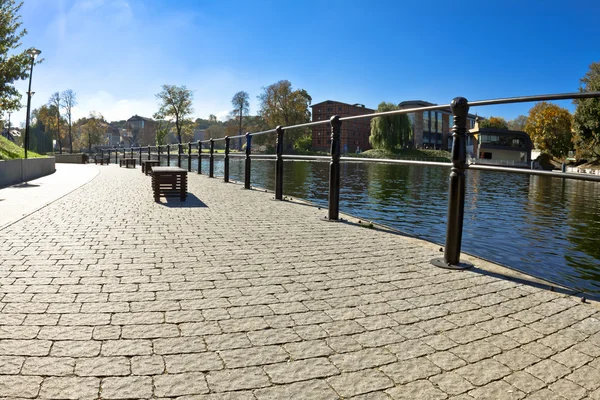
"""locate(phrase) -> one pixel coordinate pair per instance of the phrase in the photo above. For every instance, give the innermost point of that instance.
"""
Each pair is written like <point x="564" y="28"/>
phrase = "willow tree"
<point x="389" y="132"/>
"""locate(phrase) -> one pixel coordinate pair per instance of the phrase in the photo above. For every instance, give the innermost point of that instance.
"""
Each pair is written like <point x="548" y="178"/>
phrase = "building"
<point x="354" y="134"/>
<point x="143" y="130"/>
<point x="499" y="146"/>
<point x="432" y="129"/>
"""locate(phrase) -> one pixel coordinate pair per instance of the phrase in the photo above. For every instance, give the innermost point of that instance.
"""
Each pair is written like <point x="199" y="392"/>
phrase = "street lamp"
<point x="33" y="53"/>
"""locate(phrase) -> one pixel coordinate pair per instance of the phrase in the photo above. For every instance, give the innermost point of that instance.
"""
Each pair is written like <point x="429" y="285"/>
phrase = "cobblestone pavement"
<point x="106" y="294"/>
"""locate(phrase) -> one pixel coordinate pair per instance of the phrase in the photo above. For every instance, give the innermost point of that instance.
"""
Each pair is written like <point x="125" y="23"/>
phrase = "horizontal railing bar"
<point x="541" y="97"/>
<point x="555" y="174"/>
<point x="300" y="157"/>
<point x="391" y="161"/>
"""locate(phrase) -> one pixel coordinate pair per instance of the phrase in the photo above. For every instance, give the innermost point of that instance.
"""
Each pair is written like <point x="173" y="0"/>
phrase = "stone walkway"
<point x="106" y="294"/>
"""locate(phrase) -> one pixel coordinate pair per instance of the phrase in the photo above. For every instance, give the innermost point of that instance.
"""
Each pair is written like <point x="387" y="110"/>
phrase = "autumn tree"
<point x="68" y="102"/>
<point x="494" y="122"/>
<point x="586" y="121"/>
<point x="94" y="129"/>
<point x="13" y="66"/>
<point x="549" y="127"/>
<point x="281" y="105"/>
<point x="176" y="103"/>
<point x="389" y="132"/>
<point x="517" y="124"/>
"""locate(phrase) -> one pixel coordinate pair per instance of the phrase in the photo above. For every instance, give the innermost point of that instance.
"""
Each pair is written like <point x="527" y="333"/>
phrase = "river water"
<point x="546" y="227"/>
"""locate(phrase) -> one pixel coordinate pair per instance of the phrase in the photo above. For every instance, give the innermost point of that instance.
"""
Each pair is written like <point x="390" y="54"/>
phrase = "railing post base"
<point x="439" y="262"/>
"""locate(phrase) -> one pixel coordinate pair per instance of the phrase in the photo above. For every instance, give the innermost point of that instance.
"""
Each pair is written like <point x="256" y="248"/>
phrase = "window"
<point x="451" y="121"/>
<point x="426" y="125"/>
<point x="438" y="116"/>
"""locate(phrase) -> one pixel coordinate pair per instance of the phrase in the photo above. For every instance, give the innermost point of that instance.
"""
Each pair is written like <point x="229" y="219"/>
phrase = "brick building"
<point x="354" y="134"/>
<point x="142" y="130"/>
<point x="431" y="129"/>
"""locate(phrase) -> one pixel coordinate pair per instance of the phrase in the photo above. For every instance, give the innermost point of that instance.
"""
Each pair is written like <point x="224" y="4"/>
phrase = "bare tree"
<point x="69" y="101"/>
<point x="55" y="101"/>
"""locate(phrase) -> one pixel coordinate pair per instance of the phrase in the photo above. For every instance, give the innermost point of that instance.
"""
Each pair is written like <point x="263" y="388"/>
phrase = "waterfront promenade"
<point x="105" y="294"/>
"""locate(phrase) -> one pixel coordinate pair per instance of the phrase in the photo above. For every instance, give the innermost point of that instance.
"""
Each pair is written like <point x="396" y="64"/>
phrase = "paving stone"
<point x="446" y="360"/>
<point x="207" y="361"/>
<point x="475" y="351"/>
<point x="517" y="359"/>
<point x="228" y="341"/>
<point x="237" y="379"/>
<point x="313" y="389"/>
<point x="147" y="365"/>
<point x="548" y="370"/>
<point x="308" y="349"/>
<point x="417" y="390"/>
<point x="568" y="389"/>
<point x="170" y="385"/>
<point x="48" y="366"/>
<point x="451" y="383"/>
<point x="129" y="387"/>
<point x="497" y="390"/>
<point x="587" y="377"/>
<point x="410" y="370"/>
<point x="483" y="372"/>
<point x="102" y="366"/>
<point x="410" y="349"/>
<point x="13" y="386"/>
<point x="362" y="359"/>
<point x="525" y="382"/>
<point x="70" y="388"/>
<point x="273" y="336"/>
<point x="179" y="345"/>
<point x="10" y="347"/>
<point x="11" y="365"/>
<point x="300" y="370"/>
<point x="354" y="383"/>
<point x="572" y="358"/>
<point x="75" y="348"/>
<point x="126" y="347"/>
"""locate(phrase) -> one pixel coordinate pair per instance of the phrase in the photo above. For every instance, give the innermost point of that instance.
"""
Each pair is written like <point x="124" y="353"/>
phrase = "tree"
<point x="162" y="128"/>
<point x="54" y="104"/>
<point x="212" y="118"/>
<point x="69" y="101"/>
<point x="549" y="127"/>
<point x="94" y="128"/>
<point x="390" y="131"/>
<point x="176" y="102"/>
<point x="494" y="122"/>
<point x="517" y="124"/>
<point x="13" y="67"/>
<point x="280" y="105"/>
<point x="586" y="121"/>
<point x="242" y="107"/>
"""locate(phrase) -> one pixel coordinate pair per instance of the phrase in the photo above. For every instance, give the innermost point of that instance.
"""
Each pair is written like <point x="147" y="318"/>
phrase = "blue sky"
<point x="116" y="54"/>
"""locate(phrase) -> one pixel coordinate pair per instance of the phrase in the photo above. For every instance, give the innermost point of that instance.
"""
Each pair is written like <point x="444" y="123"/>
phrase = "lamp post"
<point x="33" y="53"/>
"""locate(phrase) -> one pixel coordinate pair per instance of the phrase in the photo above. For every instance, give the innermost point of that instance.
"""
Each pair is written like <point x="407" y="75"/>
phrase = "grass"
<point x="419" y="154"/>
<point x="10" y="151"/>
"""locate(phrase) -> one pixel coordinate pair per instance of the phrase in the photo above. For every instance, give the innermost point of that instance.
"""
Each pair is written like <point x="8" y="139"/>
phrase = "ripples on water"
<point x="547" y="227"/>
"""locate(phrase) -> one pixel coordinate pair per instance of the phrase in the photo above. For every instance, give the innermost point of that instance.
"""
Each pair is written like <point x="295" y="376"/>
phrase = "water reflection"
<point x="548" y="227"/>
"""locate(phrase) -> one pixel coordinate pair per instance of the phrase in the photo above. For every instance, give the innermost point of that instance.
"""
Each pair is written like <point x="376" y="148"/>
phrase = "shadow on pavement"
<point x="191" y="202"/>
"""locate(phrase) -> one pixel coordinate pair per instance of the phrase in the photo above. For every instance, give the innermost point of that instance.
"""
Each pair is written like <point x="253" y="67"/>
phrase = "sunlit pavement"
<point x="106" y="294"/>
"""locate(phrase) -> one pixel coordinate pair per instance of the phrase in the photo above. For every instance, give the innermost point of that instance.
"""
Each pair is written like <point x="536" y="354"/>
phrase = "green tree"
<point x="517" y="124"/>
<point x="586" y="121"/>
<point x="55" y="105"/>
<point x="494" y="122"/>
<point x="94" y="128"/>
<point x="162" y="128"/>
<point x="241" y="103"/>
<point x="69" y="101"/>
<point x="549" y="127"/>
<point x="281" y="105"/>
<point x="389" y="132"/>
<point x="13" y="67"/>
<point x="176" y="103"/>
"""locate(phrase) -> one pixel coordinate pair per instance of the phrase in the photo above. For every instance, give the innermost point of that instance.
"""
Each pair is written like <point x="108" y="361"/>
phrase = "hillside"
<point x="10" y="151"/>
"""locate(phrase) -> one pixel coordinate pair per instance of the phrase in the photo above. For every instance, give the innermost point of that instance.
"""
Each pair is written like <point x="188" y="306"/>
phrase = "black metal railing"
<point x="458" y="164"/>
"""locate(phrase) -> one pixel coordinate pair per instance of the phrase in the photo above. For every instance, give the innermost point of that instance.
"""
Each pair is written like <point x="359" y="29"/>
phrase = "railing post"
<point x="179" y="149"/>
<point x="124" y="156"/>
<point x="334" y="169"/>
<point x="116" y="156"/>
<point x="248" y="161"/>
<point x="149" y="153"/>
<point x="226" y="160"/>
<point x="199" y="157"/>
<point x="456" y="195"/>
<point x="279" y="164"/>
<point x="102" y="154"/>
<point x="140" y="149"/>
<point x="189" y="156"/>
<point x="168" y="155"/>
<point x="158" y="154"/>
<point x="211" y="159"/>
<point x="131" y="148"/>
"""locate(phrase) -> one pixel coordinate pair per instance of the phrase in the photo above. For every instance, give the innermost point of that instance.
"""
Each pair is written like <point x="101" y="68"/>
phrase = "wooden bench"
<point x="169" y="182"/>
<point x="147" y="165"/>
<point x="127" y="162"/>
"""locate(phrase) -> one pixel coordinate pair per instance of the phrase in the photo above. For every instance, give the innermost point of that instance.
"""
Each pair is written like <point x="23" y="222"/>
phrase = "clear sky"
<point x="116" y="54"/>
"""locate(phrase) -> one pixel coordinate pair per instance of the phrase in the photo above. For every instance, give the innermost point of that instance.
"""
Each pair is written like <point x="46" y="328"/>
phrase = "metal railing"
<point x="458" y="164"/>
